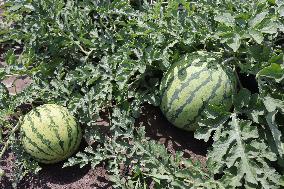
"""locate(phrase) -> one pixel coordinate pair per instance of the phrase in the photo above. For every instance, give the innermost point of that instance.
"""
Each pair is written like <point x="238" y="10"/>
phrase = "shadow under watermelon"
<point x="160" y="129"/>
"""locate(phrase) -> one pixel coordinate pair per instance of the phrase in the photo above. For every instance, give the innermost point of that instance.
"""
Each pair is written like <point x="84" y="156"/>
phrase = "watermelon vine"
<point x="105" y="59"/>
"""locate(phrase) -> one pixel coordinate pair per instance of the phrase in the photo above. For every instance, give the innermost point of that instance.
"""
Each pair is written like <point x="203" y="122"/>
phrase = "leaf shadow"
<point x="54" y="174"/>
<point x="160" y="129"/>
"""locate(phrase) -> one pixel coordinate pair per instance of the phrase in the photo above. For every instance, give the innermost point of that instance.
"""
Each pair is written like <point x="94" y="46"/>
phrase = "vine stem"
<point x="9" y="138"/>
<point x="238" y="79"/>
<point x="235" y="72"/>
<point x="229" y="60"/>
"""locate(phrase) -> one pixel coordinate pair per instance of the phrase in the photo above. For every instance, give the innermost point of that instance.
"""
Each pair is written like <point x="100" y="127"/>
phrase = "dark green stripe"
<point x="176" y="94"/>
<point x="40" y="118"/>
<point x="35" y="145"/>
<point x="71" y="138"/>
<point x="60" y="142"/>
<point x="192" y="95"/>
<point x="77" y="137"/>
<point x="69" y="127"/>
<point x="42" y="159"/>
<point x="39" y="135"/>
<point x="169" y="83"/>
<point x="206" y="102"/>
<point x="52" y="125"/>
<point x="69" y="130"/>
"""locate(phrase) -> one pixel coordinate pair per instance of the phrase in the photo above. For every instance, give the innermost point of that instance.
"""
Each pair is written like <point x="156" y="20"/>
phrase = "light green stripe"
<point x="68" y="120"/>
<point x="190" y="98"/>
<point x="194" y="76"/>
<point x="207" y="101"/>
<point x="39" y="135"/>
<point x="38" y="156"/>
<point x="170" y="76"/>
<point x="53" y="126"/>
<point x="78" y="138"/>
<point x="34" y="144"/>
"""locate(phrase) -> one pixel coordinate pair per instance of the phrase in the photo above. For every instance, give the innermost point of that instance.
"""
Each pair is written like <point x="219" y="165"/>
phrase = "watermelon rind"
<point x="192" y="84"/>
<point x="50" y="133"/>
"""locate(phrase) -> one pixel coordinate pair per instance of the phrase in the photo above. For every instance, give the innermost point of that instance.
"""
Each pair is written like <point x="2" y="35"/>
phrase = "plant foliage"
<point x="105" y="59"/>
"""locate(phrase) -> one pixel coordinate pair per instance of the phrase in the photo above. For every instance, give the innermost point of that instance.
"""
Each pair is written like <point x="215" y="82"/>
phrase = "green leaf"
<point x="242" y="99"/>
<point x="160" y="177"/>
<point x="279" y="2"/>
<point x="270" y="117"/>
<point x="273" y="104"/>
<point x="281" y="11"/>
<point x="226" y="18"/>
<point x="257" y="19"/>
<point x="277" y="59"/>
<point x="270" y="28"/>
<point x="234" y="152"/>
<point x="235" y="42"/>
<point x="257" y="36"/>
<point x="213" y="122"/>
<point x="274" y="71"/>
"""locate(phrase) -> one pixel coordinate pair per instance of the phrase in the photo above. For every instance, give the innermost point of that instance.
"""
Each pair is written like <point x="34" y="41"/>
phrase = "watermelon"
<point x="50" y="133"/>
<point x="193" y="83"/>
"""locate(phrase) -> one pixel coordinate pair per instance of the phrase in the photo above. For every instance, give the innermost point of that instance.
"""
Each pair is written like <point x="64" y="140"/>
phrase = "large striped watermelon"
<point x="50" y="133"/>
<point x="191" y="85"/>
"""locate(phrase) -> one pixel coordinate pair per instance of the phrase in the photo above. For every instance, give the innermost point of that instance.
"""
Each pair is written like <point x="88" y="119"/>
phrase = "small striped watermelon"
<point x="191" y="85"/>
<point x="50" y="133"/>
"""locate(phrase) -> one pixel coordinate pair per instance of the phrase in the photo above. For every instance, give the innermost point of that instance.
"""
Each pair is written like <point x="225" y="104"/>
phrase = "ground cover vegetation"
<point x="104" y="59"/>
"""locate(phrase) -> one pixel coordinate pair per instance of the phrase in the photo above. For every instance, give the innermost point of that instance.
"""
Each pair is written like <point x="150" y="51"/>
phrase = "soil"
<point x="55" y="177"/>
<point x="175" y="139"/>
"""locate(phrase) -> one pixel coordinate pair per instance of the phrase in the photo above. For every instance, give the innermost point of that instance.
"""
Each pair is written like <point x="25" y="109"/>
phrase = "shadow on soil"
<point x="158" y="128"/>
<point x="55" y="174"/>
